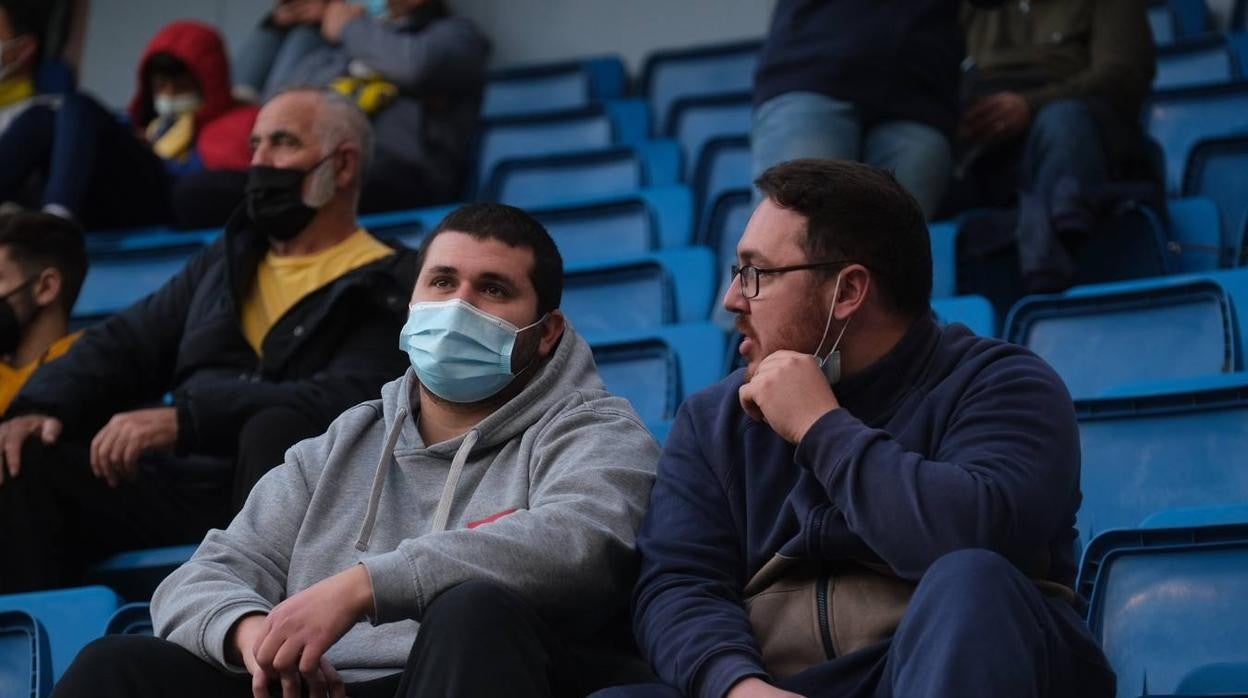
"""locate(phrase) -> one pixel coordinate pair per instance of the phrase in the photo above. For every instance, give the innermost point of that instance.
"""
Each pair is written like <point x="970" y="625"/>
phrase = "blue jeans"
<point x="810" y="125"/>
<point x="270" y="55"/>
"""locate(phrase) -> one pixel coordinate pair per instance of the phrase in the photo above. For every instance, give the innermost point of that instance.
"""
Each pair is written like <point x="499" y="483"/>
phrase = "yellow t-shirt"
<point x="12" y="379"/>
<point x="14" y="90"/>
<point x="281" y="282"/>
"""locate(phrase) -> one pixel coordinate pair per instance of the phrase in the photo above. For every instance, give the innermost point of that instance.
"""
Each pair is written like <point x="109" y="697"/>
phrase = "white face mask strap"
<point x="836" y="294"/>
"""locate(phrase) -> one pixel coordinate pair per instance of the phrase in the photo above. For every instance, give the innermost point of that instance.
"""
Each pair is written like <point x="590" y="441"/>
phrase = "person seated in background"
<point x="488" y="500"/>
<point x="417" y="70"/>
<point x="97" y="172"/>
<point x="1055" y="89"/>
<point x="42" y="265"/>
<point x="138" y="435"/>
<point x="22" y="25"/>
<point x="876" y="505"/>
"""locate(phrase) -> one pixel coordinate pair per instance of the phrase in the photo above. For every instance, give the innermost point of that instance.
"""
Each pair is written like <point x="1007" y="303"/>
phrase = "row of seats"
<point x="1179" y="20"/>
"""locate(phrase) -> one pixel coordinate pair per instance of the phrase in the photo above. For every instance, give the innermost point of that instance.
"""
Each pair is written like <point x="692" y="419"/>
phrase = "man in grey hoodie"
<point x="488" y="500"/>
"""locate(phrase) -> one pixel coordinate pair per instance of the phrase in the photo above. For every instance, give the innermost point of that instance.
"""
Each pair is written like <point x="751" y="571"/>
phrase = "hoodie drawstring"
<point x="379" y="481"/>
<point x="452" y="480"/>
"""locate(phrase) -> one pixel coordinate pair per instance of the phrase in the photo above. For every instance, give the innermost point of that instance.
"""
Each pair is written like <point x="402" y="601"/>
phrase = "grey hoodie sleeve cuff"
<point x="397" y="594"/>
<point x="217" y="628"/>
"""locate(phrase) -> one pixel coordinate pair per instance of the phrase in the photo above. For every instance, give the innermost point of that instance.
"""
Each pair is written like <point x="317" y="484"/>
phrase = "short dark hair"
<point x="858" y="212"/>
<point x="36" y="241"/>
<point x="514" y="228"/>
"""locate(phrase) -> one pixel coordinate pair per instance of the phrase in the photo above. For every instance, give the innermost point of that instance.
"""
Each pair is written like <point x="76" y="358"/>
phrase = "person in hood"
<point x="105" y="174"/>
<point x="142" y="433"/>
<point x="877" y="505"/>
<point x="42" y="265"/>
<point x="416" y="69"/>
<point x="470" y="533"/>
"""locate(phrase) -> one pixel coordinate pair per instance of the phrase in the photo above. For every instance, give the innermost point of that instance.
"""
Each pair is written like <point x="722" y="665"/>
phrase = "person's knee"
<point x="1063" y="119"/>
<point x="476" y="605"/>
<point x="973" y="574"/>
<point x="105" y="660"/>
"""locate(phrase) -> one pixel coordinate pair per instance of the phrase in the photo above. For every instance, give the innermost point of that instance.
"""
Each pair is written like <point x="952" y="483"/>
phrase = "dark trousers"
<point x="475" y="640"/>
<point x="57" y="518"/>
<point x="976" y="626"/>
<point x="92" y="164"/>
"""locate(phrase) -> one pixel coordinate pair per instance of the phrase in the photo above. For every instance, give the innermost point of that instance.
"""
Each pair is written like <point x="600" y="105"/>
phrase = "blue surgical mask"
<point x="460" y="352"/>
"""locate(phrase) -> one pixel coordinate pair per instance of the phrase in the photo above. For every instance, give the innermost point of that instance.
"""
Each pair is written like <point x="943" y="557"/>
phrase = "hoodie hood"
<point x="199" y="46"/>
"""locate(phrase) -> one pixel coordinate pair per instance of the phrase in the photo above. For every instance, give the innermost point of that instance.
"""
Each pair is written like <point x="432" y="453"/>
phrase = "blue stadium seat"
<point x="1170" y="328"/>
<point x="619" y="226"/>
<point x="116" y="280"/>
<point x="1175" y="19"/>
<point x="71" y="618"/>
<point x="1195" y="62"/>
<point x="1180" y="119"/>
<point x="1169" y="607"/>
<point x="1195" y="228"/>
<point x="131" y="619"/>
<point x="728" y="219"/>
<point x="656" y="369"/>
<point x="1161" y="446"/>
<point x="1161" y="21"/>
<point x="407" y="227"/>
<point x="548" y="179"/>
<point x="697" y="121"/>
<point x="1218" y="169"/>
<point x="723" y="167"/>
<point x="25" y="656"/>
<point x="973" y="311"/>
<point x="617" y="122"/>
<point x="944" y="235"/>
<point x="135" y="575"/>
<point x="670" y="76"/>
<point x="554" y="87"/>
<point x="632" y="293"/>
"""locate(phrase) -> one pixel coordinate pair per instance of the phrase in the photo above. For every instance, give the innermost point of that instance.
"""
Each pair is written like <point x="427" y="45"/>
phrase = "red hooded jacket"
<point x="222" y="124"/>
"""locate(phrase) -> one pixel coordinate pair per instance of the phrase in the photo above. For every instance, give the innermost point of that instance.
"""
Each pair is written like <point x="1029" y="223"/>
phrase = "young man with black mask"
<point x="42" y="266"/>
<point x="137" y="437"/>
<point x="488" y="500"/>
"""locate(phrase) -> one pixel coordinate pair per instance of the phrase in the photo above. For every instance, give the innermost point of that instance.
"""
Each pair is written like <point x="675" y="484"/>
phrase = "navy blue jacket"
<point x="951" y="441"/>
<point x="894" y="60"/>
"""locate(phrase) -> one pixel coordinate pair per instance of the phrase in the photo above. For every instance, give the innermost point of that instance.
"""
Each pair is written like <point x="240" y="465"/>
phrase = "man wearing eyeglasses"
<point x="877" y="505"/>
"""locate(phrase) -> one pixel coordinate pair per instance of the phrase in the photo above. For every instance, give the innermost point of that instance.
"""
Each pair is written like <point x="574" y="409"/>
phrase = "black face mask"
<point x="274" y="200"/>
<point x="10" y="325"/>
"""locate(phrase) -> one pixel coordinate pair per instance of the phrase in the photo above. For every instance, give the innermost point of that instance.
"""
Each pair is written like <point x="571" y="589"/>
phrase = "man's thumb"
<point x="50" y="431"/>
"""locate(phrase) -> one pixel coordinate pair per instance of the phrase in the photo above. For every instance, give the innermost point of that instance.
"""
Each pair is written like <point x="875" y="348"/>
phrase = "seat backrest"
<point x="1193" y="63"/>
<point x="973" y="311"/>
<point x="695" y="122"/>
<point x="611" y="228"/>
<point x="25" y="661"/>
<point x="656" y="369"/>
<point x="1218" y="169"/>
<point x="727" y="224"/>
<point x="1183" y="445"/>
<point x="116" y="280"/>
<point x="1161" y="21"/>
<point x="545" y="180"/>
<point x="553" y="87"/>
<point x="669" y="76"/>
<point x="944" y="236"/>
<point x="1180" y="119"/>
<point x="1196" y="228"/>
<point x="131" y="619"/>
<point x="533" y="136"/>
<point x="1180" y="327"/>
<point x="1169" y="605"/>
<point x="724" y="166"/>
<point x="71" y="617"/>
<point x="631" y="295"/>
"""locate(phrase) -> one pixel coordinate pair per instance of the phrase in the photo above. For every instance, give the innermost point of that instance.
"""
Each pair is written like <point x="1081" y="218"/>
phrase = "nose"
<point x="733" y="301"/>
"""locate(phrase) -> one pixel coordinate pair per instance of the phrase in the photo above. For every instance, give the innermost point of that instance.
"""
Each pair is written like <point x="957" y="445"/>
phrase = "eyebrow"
<point x="274" y="136"/>
<point x="752" y="258"/>
<point x="489" y="276"/>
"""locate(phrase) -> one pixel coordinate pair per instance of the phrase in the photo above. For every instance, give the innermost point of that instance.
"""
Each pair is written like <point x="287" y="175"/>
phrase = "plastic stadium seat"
<point x="1099" y="337"/>
<point x="657" y="369"/>
<point x="25" y="656"/>
<point x="131" y="619"/>
<point x="698" y="121"/>
<point x="1169" y="607"/>
<point x="1174" y="19"/>
<point x="619" y="226"/>
<point x="136" y="574"/>
<point x="944" y="236"/>
<point x="618" y="122"/>
<point x="973" y="311"/>
<point x="1180" y="119"/>
<point x="116" y="280"/>
<point x="1218" y="169"/>
<point x="669" y="76"/>
<point x="1148" y="449"/>
<point x="1161" y="21"/>
<point x="723" y="167"/>
<point x="553" y="87"/>
<point x="727" y="224"/>
<point x="1239" y="45"/>
<point x="1196" y="229"/>
<point x="542" y="180"/>
<point x="1195" y="62"/>
<point x="71" y="618"/>
<point x="632" y="293"/>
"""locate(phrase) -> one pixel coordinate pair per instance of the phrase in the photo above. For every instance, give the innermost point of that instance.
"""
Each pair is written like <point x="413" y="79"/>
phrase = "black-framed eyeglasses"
<point x="750" y="274"/>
